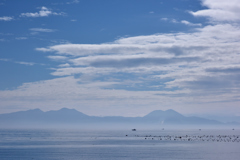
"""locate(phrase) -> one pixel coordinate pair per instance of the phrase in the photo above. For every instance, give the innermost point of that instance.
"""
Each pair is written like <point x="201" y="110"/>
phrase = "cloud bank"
<point x="182" y="71"/>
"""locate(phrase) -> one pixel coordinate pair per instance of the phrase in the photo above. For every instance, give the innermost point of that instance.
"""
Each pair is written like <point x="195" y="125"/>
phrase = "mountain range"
<point x="71" y="117"/>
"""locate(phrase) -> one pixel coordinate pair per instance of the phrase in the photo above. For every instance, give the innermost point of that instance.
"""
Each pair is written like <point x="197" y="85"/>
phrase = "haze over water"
<point x="114" y="144"/>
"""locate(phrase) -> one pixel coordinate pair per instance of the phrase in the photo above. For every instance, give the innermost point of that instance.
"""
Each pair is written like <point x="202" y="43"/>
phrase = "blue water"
<point x="114" y="144"/>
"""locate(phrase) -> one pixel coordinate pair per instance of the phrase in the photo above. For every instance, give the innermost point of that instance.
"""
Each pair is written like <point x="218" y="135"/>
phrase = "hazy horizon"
<point x="71" y="118"/>
<point x="217" y="117"/>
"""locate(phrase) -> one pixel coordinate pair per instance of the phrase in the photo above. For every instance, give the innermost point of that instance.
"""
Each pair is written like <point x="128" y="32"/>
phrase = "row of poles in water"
<point x="207" y="138"/>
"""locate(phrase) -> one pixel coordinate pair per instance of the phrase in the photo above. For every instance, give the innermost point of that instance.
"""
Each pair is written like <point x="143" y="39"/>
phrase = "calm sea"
<point x="50" y="144"/>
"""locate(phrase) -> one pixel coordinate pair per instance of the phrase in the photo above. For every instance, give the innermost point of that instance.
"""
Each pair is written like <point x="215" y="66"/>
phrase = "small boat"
<point x="133" y="129"/>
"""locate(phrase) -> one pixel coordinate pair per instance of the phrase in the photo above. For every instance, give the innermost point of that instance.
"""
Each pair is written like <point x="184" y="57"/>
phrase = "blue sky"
<point x="120" y="57"/>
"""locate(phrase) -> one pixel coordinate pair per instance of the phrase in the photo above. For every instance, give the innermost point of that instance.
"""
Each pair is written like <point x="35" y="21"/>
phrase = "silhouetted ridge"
<point x="160" y="113"/>
<point x="66" y="112"/>
<point x="164" y="117"/>
<point x="35" y="110"/>
<point x="32" y="111"/>
<point x="69" y="117"/>
<point x="156" y="113"/>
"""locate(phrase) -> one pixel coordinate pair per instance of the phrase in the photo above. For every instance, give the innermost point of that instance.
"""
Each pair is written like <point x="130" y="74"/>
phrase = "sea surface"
<point x="69" y="144"/>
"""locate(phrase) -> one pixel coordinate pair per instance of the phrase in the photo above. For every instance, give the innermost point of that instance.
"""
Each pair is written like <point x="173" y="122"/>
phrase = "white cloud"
<point x="44" y="12"/>
<point x="183" y="22"/>
<point x="76" y="49"/>
<point x="64" y="65"/>
<point x="131" y="61"/>
<point x="164" y="19"/>
<point x="42" y="30"/>
<point x="191" y="24"/>
<point x="6" y="18"/>
<point x="220" y="10"/>
<point x="58" y="58"/>
<point x="156" y="45"/>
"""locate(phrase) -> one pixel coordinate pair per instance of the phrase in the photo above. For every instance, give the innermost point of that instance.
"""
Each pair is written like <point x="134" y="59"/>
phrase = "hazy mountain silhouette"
<point x="172" y="117"/>
<point x="69" y="117"/>
<point x="163" y="117"/>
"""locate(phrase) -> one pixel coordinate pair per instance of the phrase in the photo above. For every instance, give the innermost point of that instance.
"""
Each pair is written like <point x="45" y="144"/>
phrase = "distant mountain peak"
<point x="37" y="110"/>
<point x="155" y="113"/>
<point x="171" y="110"/>
<point x="163" y="117"/>
<point x="67" y="109"/>
<point x="160" y="113"/>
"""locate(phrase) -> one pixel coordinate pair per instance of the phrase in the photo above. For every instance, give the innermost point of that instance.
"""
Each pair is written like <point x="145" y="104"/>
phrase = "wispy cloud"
<point x="69" y="2"/>
<point x="4" y="59"/>
<point x="21" y="38"/>
<point x="191" y="24"/>
<point x="18" y="62"/>
<point x="42" y="30"/>
<point x="73" y="2"/>
<point x="26" y="63"/>
<point x="174" y="21"/>
<point x="164" y="19"/>
<point x="183" y="22"/>
<point x="6" y="18"/>
<point x="44" y="12"/>
<point x="6" y="34"/>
